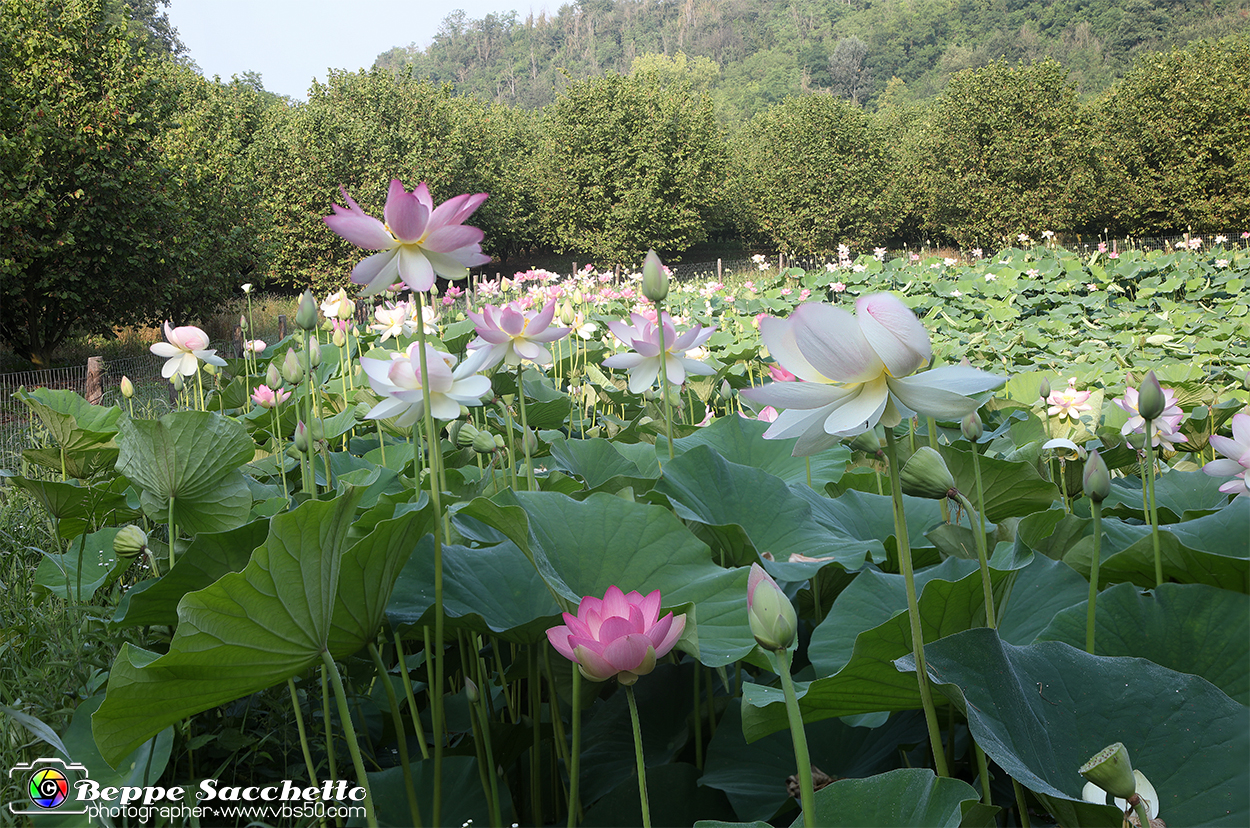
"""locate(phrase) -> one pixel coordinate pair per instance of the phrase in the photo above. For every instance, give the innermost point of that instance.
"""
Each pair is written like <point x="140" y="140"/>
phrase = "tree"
<point x="627" y="164"/>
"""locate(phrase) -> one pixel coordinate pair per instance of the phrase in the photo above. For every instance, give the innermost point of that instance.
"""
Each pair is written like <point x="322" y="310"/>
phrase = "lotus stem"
<point x="807" y="791"/>
<point x="1150" y="496"/>
<point x="984" y="771"/>
<point x="668" y="406"/>
<point x="1096" y="508"/>
<point x="412" y="699"/>
<point x="698" y="723"/>
<point x="401" y="737"/>
<point x="913" y="607"/>
<point x="1143" y="816"/>
<point x="279" y="456"/>
<point x="1021" y="808"/>
<point x="642" y="770"/>
<point x="484" y="717"/>
<point x="353" y="747"/>
<point x="982" y="550"/>
<point x="575" y="749"/>
<point x="303" y="734"/>
<point x="525" y="428"/>
<point x="329" y="725"/>
<point x="173" y="532"/>
<point x="536" y="714"/>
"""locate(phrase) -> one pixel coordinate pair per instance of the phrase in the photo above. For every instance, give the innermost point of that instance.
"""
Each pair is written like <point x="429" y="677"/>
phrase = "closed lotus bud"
<point x="210" y="369"/>
<point x="578" y="299"/>
<point x="1111" y="770"/>
<point x="301" y="437"/>
<point x="649" y="394"/>
<point x="317" y="430"/>
<point x="130" y="541"/>
<point x="1097" y="479"/>
<point x="470" y="690"/>
<point x="484" y="442"/>
<point x="314" y="353"/>
<point x="529" y="441"/>
<point x="726" y="390"/>
<point x="243" y="322"/>
<point x="1150" y="399"/>
<point x="770" y="613"/>
<point x="925" y="475"/>
<point x="176" y="381"/>
<point x="339" y="338"/>
<point x="566" y="313"/>
<point x="126" y="387"/>
<point x="273" y="377"/>
<point x="971" y="427"/>
<point x="1043" y="389"/>
<point x="654" y="279"/>
<point x="499" y="441"/>
<point x="292" y="370"/>
<point x="306" y="314"/>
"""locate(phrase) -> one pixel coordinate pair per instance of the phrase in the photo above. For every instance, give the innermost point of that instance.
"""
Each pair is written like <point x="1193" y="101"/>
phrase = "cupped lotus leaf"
<point x="80" y="463"/>
<point x="193" y="458"/>
<point x="595" y="461"/>
<point x="246" y="631"/>
<point x="1189" y="628"/>
<point x="72" y="422"/>
<point x="76" y="507"/>
<point x="88" y="564"/>
<point x="1042" y="589"/>
<point x="869" y="518"/>
<point x="741" y="440"/>
<point x="905" y="797"/>
<point x="672" y="790"/>
<point x="1011" y="488"/>
<point x="1179" y="496"/>
<point x="1042" y="710"/>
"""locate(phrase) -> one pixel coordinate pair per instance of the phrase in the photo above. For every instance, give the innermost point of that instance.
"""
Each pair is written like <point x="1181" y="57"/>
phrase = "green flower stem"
<point x="279" y="457"/>
<point x="412" y="699"/>
<point x="575" y="750"/>
<point x="525" y="428"/>
<point x="199" y="384"/>
<point x="1021" y="808"/>
<point x="642" y="769"/>
<point x="1143" y="816"/>
<point x="303" y="734"/>
<point x="553" y="701"/>
<point x="1096" y="508"/>
<point x="807" y="793"/>
<point x="931" y="428"/>
<point x="329" y="725"/>
<point x="345" y="716"/>
<point x="1063" y="486"/>
<point x="536" y="713"/>
<point x="698" y="723"/>
<point x="496" y="814"/>
<point x="381" y="444"/>
<point x="173" y="530"/>
<point x="508" y="442"/>
<point x="913" y="608"/>
<point x="982" y="550"/>
<point x="401" y="737"/>
<point x="668" y="406"/>
<point x="1150" y="494"/>
<point x="983" y="770"/>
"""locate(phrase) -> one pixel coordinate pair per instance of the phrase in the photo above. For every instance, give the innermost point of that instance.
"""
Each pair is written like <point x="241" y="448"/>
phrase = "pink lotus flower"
<point x="267" y="397"/>
<point x="1236" y="460"/>
<point x="620" y="635"/>
<point x="1164" y="426"/>
<point x="780" y="374"/>
<point x="417" y="241"/>
<point x="511" y="334"/>
<point x="187" y="346"/>
<point x="338" y="306"/>
<point x="643" y="364"/>
<point x="1068" y="402"/>
<point x="254" y="346"/>
<point x="399" y="381"/>
<point x="855" y="373"/>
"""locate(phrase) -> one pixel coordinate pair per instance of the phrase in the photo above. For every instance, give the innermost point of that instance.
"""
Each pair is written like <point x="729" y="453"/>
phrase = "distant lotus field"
<point x="902" y="540"/>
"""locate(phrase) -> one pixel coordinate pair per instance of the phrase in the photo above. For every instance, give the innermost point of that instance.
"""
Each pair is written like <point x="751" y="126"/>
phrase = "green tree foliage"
<point x="1005" y="151"/>
<point x="1176" y="137"/>
<point x="627" y="164"/>
<point x="814" y="172"/>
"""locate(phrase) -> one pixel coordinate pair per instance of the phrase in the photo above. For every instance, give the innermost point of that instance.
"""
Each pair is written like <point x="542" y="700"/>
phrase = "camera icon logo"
<point x="47" y="785"/>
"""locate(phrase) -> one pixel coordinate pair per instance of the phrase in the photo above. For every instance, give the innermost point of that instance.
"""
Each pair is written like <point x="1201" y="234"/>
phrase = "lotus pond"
<point x="482" y="633"/>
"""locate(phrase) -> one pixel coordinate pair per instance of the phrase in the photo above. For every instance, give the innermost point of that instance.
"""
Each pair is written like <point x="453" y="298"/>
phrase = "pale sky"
<point x="289" y="42"/>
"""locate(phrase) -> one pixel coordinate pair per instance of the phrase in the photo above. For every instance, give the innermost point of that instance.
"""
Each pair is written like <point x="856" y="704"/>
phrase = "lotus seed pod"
<point x="971" y="427"/>
<point x="483" y="442"/>
<point x="654" y="279"/>
<point x="868" y="442"/>
<point x="1111" y="770"/>
<point x="210" y="369"/>
<point x="1043" y="389"/>
<point x="306" y="314"/>
<point x="1097" y="479"/>
<point x="292" y="370"/>
<point x="126" y="387"/>
<point x="925" y="475"/>
<point x="273" y="377"/>
<point x="1150" y="398"/>
<point x="129" y="541"/>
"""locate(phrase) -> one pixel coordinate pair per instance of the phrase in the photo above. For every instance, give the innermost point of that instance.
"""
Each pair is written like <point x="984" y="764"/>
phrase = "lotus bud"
<point x="210" y="369"/>
<point x="462" y="433"/>
<point x="726" y="390"/>
<point x="654" y="279"/>
<point x="176" y="381"/>
<point x="648" y="394"/>
<point x="292" y="370"/>
<point x="868" y="442"/>
<point x="339" y="338"/>
<point x="971" y="427"/>
<point x="306" y="314"/>
<point x="484" y="442"/>
<point x="577" y="297"/>
<point x="126" y="387"/>
<point x="499" y="442"/>
<point x="317" y="430"/>
<point x="770" y="613"/>
<point x="1111" y="770"/>
<point x="314" y="353"/>
<point x="243" y="322"/>
<point x="1150" y="399"/>
<point x="925" y="475"/>
<point x="247" y="287"/>
<point x="567" y="314"/>
<point x="1043" y="389"/>
<point x="1097" y="479"/>
<point x="273" y="377"/>
<point x="470" y="690"/>
<point x="130" y="541"/>
<point x="301" y="437"/>
<point x="529" y="441"/>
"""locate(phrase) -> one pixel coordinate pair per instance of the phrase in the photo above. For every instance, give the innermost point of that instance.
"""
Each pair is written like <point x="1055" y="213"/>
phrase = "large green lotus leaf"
<point x="868" y="681"/>
<point x="674" y="794"/>
<point x="191" y="457"/>
<point x="247" y="631"/>
<point x="753" y="776"/>
<point x="463" y="801"/>
<point x="740" y="440"/>
<point x="1213" y="550"/>
<point x="205" y="559"/>
<point x="1176" y="494"/>
<point x="1189" y="628"/>
<point x="77" y="508"/>
<point x="596" y="461"/>
<point x="490" y="590"/>
<point x="706" y="488"/>
<point x="80" y="463"/>
<point x="73" y="422"/>
<point x="1042" y="589"/>
<point x="1011" y="488"/>
<point x="869" y="518"/>
<point x="1043" y="710"/>
<point x="897" y="798"/>
<point x="88" y="564"/>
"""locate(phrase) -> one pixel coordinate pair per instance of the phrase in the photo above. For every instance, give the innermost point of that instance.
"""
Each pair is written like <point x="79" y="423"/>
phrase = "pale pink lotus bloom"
<point x="511" y="334"/>
<point x="417" y="241"/>
<point x="780" y="374"/>
<point x="855" y="372"/>
<point x="186" y="347"/>
<point x="338" y="306"/>
<point x="1164" y="426"/>
<point x="1236" y="459"/>
<point x="620" y="635"/>
<point x="399" y="381"/>
<point x="1069" y="402"/>
<point x="267" y="397"/>
<point x="254" y="346"/>
<point x="643" y="364"/>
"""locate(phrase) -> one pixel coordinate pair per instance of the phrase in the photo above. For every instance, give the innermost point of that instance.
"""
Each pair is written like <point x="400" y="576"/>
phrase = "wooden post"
<point x="720" y="276"/>
<point x="94" y="391"/>
<point x="238" y="342"/>
<point x="281" y="326"/>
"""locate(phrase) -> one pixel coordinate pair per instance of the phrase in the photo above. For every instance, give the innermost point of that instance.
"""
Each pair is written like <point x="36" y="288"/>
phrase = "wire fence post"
<point x="281" y="326"/>
<point x="93" y="389"/>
